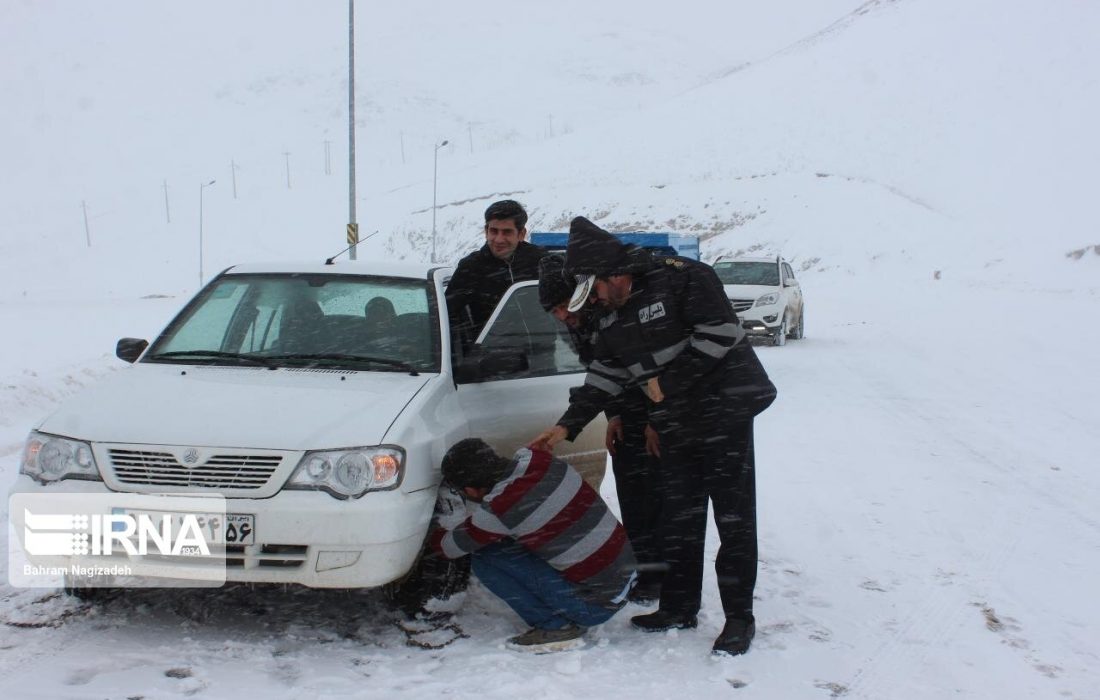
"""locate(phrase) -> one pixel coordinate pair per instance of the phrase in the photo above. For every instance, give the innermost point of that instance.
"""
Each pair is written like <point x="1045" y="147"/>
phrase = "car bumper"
<point x="303" y="537"/>
<point x="761" y="320"/>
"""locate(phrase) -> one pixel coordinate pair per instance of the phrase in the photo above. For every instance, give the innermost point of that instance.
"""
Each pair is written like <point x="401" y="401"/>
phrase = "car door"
<point x="508" y="403"/>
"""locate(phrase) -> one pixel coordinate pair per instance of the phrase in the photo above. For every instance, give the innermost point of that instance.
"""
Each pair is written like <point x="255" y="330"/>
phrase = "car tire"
<point x="87" y="594"/>
<point x="432" y="585"/>
<point x="780" y="336"/>
<point x="434" y="582"/>
<point x="799" y="330"/>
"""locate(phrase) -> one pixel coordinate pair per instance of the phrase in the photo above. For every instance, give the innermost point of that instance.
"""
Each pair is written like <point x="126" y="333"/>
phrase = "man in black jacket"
<point x="481" y="278"/>
<point x="632" y="443"/>
<point x="671" y="331"/>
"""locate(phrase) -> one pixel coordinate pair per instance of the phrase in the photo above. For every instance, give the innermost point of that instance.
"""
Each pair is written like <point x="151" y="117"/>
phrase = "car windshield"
<point x="307" y="320"/>
<point x="762" y="273"/>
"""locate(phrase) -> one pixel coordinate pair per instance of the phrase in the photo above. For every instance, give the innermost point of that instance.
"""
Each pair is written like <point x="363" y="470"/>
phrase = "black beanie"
<point x="593" y="251"/>
<point x="472" y="462"/>
<point x="554" y="286"/>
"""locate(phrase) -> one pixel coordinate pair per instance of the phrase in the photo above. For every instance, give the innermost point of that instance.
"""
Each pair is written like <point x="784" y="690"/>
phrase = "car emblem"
<point x="191" y="456"/>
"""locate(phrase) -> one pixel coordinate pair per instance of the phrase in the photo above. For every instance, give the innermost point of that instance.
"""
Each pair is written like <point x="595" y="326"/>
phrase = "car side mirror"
<point x="130" y="349"/>
<point x="790" y="282"/>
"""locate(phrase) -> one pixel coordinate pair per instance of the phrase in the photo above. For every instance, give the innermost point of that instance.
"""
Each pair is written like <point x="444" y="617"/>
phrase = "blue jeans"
<point x="534" y="589"/>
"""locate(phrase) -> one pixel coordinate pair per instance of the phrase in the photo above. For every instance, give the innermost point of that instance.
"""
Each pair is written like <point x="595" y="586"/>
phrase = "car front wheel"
<point x="780" y="337"/>
<point x="81" y="590"/>
<point x="433" y="586"/>
<point x="434" y="583"/>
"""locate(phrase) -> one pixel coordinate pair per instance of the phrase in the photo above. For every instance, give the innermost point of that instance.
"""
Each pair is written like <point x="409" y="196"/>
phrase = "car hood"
<point x="748" y="291"/>
<point x="283" y="409"/>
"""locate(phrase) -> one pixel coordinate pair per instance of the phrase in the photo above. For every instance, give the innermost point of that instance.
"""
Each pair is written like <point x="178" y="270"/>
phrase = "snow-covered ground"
<point x="927" y="481"/>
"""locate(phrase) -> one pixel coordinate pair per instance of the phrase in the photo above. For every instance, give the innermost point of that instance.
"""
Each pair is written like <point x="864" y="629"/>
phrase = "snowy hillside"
<point x="927" y="478"/>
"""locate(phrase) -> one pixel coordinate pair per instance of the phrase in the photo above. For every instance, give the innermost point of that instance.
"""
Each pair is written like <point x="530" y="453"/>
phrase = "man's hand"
<point x="614" y="433"/>
<point x="652" y="389"/>
<point x="652" y="442"/>
<point x="548" y="438"/>
<point x="450" y="508"/>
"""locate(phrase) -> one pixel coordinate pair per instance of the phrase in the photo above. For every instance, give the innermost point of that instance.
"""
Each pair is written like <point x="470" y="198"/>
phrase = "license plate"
<point x="217" y="528"/>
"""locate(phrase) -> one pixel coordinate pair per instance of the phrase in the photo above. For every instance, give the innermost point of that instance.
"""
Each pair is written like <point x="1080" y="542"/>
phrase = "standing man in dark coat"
<point x="481" y="278"/>
<point x="671" y="330"/>
<point x="632" y="443"/>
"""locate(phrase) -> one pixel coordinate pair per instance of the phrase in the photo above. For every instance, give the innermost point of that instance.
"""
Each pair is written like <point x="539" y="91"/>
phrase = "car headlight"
<point x="351" y="472"/>
<point x="49" y="458"/>
<point x="767" y="299"/>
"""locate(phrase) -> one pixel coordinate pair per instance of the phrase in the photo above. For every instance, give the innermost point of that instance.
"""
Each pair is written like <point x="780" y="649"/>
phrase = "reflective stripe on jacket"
<point x="678" y="326"/>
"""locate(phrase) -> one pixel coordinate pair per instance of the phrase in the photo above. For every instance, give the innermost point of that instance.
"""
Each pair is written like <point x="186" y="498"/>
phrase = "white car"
<point x="318" y="400"/>
<point x="765" y="295"/>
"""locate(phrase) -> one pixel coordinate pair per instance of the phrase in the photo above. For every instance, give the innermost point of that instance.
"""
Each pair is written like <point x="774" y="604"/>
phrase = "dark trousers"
<point x="708" y="458"/>
<point x="637" y="484"/>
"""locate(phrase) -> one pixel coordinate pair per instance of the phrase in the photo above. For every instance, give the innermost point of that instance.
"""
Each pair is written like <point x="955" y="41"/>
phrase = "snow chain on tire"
<point x="412" y="641"/>
<point x="54" y="622"/>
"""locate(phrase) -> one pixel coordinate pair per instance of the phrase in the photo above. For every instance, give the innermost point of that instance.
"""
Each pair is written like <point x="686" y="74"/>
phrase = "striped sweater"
<point x="545" y="505"/>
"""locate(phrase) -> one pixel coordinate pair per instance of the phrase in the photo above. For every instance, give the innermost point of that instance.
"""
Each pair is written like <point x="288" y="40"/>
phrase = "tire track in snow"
<point x="949" y="432"/>
<point x="929" y="624"/>
<point x="32" y="648"/>
<point x="943" y="611"/>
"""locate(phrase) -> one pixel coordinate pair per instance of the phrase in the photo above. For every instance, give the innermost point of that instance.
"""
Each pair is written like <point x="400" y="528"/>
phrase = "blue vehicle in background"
<point x="661" y="243"/>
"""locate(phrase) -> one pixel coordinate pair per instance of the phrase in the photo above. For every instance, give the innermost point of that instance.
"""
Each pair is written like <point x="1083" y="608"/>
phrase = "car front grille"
<point x="740" y="305"/>
<point x="150" y="468"/>
<point x="266" y="556"/>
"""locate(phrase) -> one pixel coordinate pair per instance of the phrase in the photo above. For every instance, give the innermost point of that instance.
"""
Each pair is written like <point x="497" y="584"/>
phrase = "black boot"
<point x="660" y="621"/>
<point x="736" y="637"/>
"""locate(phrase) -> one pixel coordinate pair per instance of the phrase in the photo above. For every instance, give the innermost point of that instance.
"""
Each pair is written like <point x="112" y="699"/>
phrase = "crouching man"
<point x="542" y="540"/>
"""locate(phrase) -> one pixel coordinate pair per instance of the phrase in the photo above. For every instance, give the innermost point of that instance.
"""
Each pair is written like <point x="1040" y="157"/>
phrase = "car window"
<point x="738" y="272"/>
<point x="207" y="323"/>
<point x="291" y="319"/>
<point x="520" y="325"/>
<point x="789" y="271"/>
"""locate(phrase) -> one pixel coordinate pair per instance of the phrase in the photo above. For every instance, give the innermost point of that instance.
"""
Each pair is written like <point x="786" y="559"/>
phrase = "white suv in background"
<point x="765" y="295"/>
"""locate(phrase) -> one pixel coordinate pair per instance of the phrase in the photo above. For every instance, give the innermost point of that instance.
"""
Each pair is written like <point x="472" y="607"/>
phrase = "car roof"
<point x="381" y="267"/>
<point x="769" y="259"/>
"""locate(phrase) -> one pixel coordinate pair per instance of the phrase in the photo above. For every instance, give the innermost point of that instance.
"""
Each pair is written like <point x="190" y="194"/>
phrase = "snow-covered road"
<point x="926" y="523"/>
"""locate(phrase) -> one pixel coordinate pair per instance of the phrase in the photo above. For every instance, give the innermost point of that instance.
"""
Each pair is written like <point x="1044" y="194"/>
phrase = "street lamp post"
<point x="202" y="187"/>
<point x="353" y="226"/>
<point x="435" y="173"/>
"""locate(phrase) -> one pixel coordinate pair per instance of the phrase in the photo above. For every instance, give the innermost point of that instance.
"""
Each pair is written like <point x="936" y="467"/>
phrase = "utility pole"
<point x="87" y="232"/>
<point x="328" y="158"/>
<point x="287" y="154"/>
<point x="470" y="128"/>
<point x="353" y="227"/>
<point x="233" y="170"/>
<point x="167" y="214"/>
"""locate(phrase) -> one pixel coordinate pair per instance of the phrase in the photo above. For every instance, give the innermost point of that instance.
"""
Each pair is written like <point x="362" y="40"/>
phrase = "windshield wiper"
<point x="214" y="355"/>
<point x="345" y="357"/>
